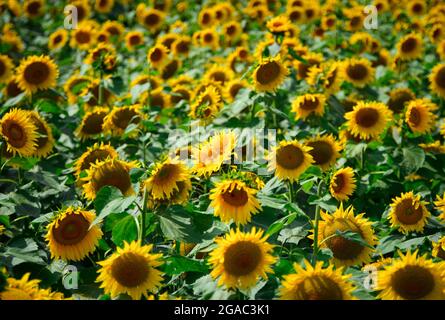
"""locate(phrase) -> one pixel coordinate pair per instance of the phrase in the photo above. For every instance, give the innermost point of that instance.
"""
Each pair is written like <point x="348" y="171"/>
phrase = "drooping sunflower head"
<point x="37" y="73"/>
<point x="96" y="153"/>
<point x="45" y="140"/>
<point x="346" y="252"/>
<point x="164" y="178"/>
<point x="308" y="104"/>
<point x="289" y="160"/>
<point x="368" y="119"/>
<point x="398" y="98"/>
<point x="180" y="93"/>
<point x="358" y="71"/>
<point x="316" y="283"/>
<point x="408" y="213"/>
<point x="234" y="200"/>
<point x="325" y="150"/>
<point x="6" y="67"/>
<point x="19" y="132"/>
<point x="132" y="270"/>
<point x="411" y="278"/>
<point x="109" y="172"/>
<point x="241" y="258"/>
<point x="269" y="74"/>
<point x="311" y="59"/>
<point x="58" y="39"/>
<point x="71" y="235"/>
<point x="342" y="184"/>
<point x="118" y="120"/>
<point x="410" y="47"/>
<point x="103" y="53"/>
<point x="437" y="80"/>
<point x="419" y="115"/>
<point x="92" y="123"/>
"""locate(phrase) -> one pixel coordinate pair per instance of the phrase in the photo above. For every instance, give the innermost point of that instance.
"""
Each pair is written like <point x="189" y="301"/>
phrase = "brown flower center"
<point x="415" y="118"/>
<point x="2" y="68"/>
<point x="71" y="230"/>
<point x="83" y="37"/>
<point x="152" y="19"/>
<point x="367" y="117"/>
<point x="309" y="104"/>
<point x="318" y="288"/>
<point x="15" y="133"/>
<point x="397" y="102"/>
<point x="36" y="73"/>
<point x="236" y="197"/>
<point x="242" y="258"/>
<point x="130" y="270"/>
<point x="33" y="8"/>
<point x="124" y="117"/>
<point x="343" y="249"/>
<point x="339" y="182"/>
<point x="268" y="72"/>
<point x="413" y="282"/>
<point x="322" y="152"/>
<point x="357" y="71"/>
<point x="93" y="123"/>
<point x="409" y="45"/>
<point x="290" y="157"/>
<point x="93" y="157"/>
<point x="440" y="78"/>
<point x="42" y="140"/>
<point x="116" y="176"/>
<point x="170" y="69"/>
<point x="406" y="212"/>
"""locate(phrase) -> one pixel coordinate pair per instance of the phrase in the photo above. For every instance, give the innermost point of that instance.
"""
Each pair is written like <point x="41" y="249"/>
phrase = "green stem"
<point x="142" y="215"/>
<point x="317" y="220"/>
<point x="291" y="191"/>
<point x="101" y="90"/>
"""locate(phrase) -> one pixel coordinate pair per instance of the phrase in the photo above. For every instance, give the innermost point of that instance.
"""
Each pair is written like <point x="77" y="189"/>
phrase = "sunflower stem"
<point x="317" y="219"/>
<point x="101" y="89"/>
<point x="291" y="191"/>
<point x="142" y="215"/>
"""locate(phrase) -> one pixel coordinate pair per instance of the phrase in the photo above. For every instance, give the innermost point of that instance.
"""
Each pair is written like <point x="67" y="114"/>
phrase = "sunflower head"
<point x="6" y="67"/>
<point x="358" y="71"/>
<point x="241" y="258"/>
<point x="131" y="270"/>
<point x="71" y="236"/>
<point x="207" y="104"/>
<point x="45" y="140"/>
<point x="408" y="213"/>
<point x="342" y="184"/>
<point x="398" y="98"/>
<point x="410" y="47"/>
<point x="152" y="19"/>
<point x="325" y="150"/>
<point x="58" y="39"/>
<point x="96" y="153"/>
<point x="37" y="73"/>
<point x="269" y="74"/>
<point x="316" y="283"/>
<point x="158" y="56"/>
<point x="437" y="80"/>
<point x="118" y="120"/>
<point x="419" y="115"/>
<point x="92" y="123"/>
<point x="308" y="104"/>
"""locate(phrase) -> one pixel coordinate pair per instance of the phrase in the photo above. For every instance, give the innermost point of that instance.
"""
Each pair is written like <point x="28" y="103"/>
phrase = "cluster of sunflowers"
<point x="93" y="175"/>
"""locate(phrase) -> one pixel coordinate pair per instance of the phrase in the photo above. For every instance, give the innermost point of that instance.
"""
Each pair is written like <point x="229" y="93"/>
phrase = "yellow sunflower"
<point x="346" y="252"/>
<point x="269" y="74"/>
<point x="233" y="87"/>
<point x="342" y="184"/>
<point x="437" y="80"/>
<point x="433" y="147"/>
<point x="74" y="85"/>
<point x="411" y="278"/>
<point x="117" y="121"/>
<point x="169" y="69"/>
<point x="6" y="67"/>
<point x="26" y="289"/>
<point x="83" y="9"/>
<point x="408" y="213"/>
<point x="19" y="132"/>
<point x="131" y="270"/>
<point x="158" y="56"/>
<point x="232" y="31"/>
<point x="368" y="119"/>
<point x="109" y="172"/>
<point x="164" y="178"/>
<point x="289" y="160"/>
<point x="311" y="59"/>
<point x="218" y="74"/>
<point x="398" y="98"/>
<point x="206" y="105"/>
<point x="12" y="88"/>
<point x="234" y="200"/>
<point x="45" y="140"/>
<point x="37" y="73"/>
<point x="419" y="115"/>
<point x="181" y="46"/>
<point x="278" y="24"/>
<point x="96" y="153"/>
<point x="133" y="39"/>
<point x="440" y="205"/>
<point x="114" y="28"/>
<point x="58" y="39"/>
<point x="316" y="283"/>
<point x="71" y="236"/>
<point x="308" y="104"/>
<point x="205" y="18"/>
<point x="439" y="249"/>
<point x="241" y="258"/>
<point x="325" y="150"/>
<point x="33" y="8"/>
<point x="83" y="37"/>
<point x="103" y="6"/>
<point x="358" y="71"/>
<point x="152" y="19"/>
<point x="208" y="38"/>
<point x="410" y="47"/>
<point x="92" y="123"/>
<point x="180" y="92"/>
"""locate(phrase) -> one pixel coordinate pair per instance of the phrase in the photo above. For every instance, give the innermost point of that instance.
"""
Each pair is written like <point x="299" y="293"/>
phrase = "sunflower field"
<point x="222" y="150"/>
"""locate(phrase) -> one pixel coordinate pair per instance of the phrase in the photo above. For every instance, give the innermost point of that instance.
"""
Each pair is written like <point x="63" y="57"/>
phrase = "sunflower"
<point x="346" y="252"/>
<point x="419" y="115"/>
<point x="439" y="249"/>
<point x="109" y="172"/>
<point x="131" y="270"/>
<point x="207" y="104"/>
<point x="330" y="78"/>
<point x="408" y="213"/>
<point x="12" y="88"/>
<point x="433" y="147"/>
<point x="416" y="8"/>
<point x="211" y="154"/>
<point x="83" y="37"/>
<point x="168" y="39"/>
<point x="411" y="278"/>
<point x="181" y="46"/>
<point x="269" y="74"/>
<point x="278" y="24"/>
<point x="19" y="132"/>
<point x="232" y="89"/>
<point x="233" y="200"/>
<point x="296" y="14"/>
<point x="241" y="258"/>
<point x="169" y="69"/>
<point x="103" y="6"/>
<point x="74" y="86"/>
<point x="308" y="104"/>
<point x="45" y="140"/>
<point x="158" y="56"/>
<point x="232" y="31"/>
<point x="6" y="67"/>
<point x="311" y="59"/>
<point x="289" y="160"/>
<point x="158" y="98"/>
<point x="33" y="8"/>
<point x="118" y="120"/>
<point x="96" y="153"/>
<point x="410" y="47"/>
<point x="26" y="289"/>
<point x="102" y="55"/>
<point x="368" y="119"/>
<point x="342" y="184"/>
<point x="218" y="74"/>
<point x="58" y="39"/>
<point x="152" y="19"/>
<point x="398" y="98"/>
<point x="325" y="150"/>
<point x="37" y="73"/>
<point x="114" y="28"/>
<point x="179" y="93"/>
<point x="358" y="71"/>
<point x="316" y="283"/>
<point x="437" y="80"/>
<point x="440" y="205"/>
<point x="209" y="38"/>
<point x="164" y="178"/>
<point x="83" y="9"/>
<point x="71" y="236"/>
<point x="92" y="123"/>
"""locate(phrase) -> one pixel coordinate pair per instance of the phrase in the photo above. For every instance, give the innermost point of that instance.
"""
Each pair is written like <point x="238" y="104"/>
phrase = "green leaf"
<point x="117" y="205"/>
<point x="23" y="250"/>
<point x="125" y="229"/>
<point x="105" y="195"/>
<point x="178" y="264"/>
<point x="413" y="158"/>
<point x="353" y="236"/>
